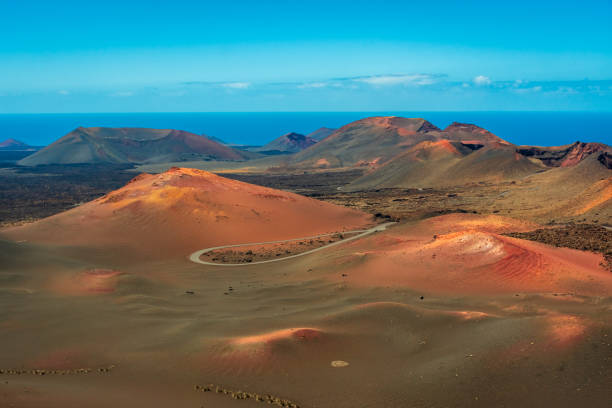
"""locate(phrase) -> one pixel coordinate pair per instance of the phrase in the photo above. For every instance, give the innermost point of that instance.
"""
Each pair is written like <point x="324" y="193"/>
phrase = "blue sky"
<point x="148" y="56"/>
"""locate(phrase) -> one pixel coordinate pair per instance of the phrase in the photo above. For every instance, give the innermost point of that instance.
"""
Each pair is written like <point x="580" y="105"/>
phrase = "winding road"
<point x="195" y="257"/>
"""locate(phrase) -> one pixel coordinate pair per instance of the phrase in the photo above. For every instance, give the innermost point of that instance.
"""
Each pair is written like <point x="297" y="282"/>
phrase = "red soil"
<point x="278" y="335"/>
<point x="262" y="352"/>
<point x="446" y="145"/>
<point x="89" y="282"/>
<point x="465" y="254"/>
<point x="565" y="330"/>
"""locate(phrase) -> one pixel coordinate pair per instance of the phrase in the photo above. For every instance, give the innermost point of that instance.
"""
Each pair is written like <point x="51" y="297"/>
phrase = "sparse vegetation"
<point x="31" y="193"/>
<point x="585" y="237"/>
<point x="41" y="372"/>
<point x="244" y="395"/>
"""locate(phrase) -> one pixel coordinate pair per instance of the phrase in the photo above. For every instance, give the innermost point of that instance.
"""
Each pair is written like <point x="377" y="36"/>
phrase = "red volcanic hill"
<point x="471" y="134"/>
<point x="131" y="145"/>
<point x="367" y="140"/>
<point x="183" y="210"/>
<point x="287" y="143"/>
<point x="375" y="140"/>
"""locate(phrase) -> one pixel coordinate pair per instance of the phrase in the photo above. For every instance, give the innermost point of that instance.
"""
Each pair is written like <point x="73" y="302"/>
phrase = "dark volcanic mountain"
<point x="12" y="150"/>
<point x="321" y="133"/>
<point x="288" y="143"/>
<point x="131" y="145"/>
<point x="13" y="144"/>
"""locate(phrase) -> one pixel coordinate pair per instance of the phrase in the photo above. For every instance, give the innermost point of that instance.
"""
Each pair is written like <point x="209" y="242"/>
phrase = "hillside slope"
<point x="321" y="133"/>
<point x="182" y="210"/>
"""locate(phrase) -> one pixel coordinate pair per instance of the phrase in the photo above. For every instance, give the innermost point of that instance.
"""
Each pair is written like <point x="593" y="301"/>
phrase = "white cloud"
<point x="381" y="80"/>
<point x="482" y="80"/>
<point x="313" y="85"/>
<point x="236" y="85"/>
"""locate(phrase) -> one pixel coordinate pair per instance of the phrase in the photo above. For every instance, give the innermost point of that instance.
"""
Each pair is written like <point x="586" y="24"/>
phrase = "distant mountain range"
<point x="131" y="145"/>
<point x="411" y="152"/>
<point x="373" y="141"/>
<point x="394" y="151"/>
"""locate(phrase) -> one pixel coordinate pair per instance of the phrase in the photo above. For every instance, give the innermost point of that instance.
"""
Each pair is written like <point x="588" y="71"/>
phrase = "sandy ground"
<point x="468" y="335"/>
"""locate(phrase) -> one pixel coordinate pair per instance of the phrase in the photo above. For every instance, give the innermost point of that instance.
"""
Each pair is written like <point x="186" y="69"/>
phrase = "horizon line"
<point x="314" y="111"/>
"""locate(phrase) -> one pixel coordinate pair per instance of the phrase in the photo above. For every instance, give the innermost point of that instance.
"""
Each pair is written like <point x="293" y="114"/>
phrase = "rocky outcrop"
<point x="567" y="156"/>
<point x="605" y="159"/>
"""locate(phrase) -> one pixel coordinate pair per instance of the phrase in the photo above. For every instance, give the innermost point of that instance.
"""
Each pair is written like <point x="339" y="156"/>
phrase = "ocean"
<point x="533" y="128"/>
